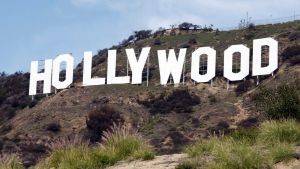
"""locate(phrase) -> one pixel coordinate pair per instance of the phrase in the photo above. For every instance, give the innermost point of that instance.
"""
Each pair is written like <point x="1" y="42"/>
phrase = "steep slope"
<point x="170" y="117"/>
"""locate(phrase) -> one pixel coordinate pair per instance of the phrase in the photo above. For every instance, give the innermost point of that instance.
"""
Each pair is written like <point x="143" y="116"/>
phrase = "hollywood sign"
<point x="169" y="64"/>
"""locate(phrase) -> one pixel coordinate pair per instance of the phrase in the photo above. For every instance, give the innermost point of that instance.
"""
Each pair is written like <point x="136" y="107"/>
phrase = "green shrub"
<point x="125" y="143"/>
<point x="279" y="131"/>
<point x="53" y="126"/>
<point x="290" y="52"/>
<point x="295" y="60"/>
<point x="118" y="144"/>
<point x="271" y="143"/>
<point x="179" y="101"/>
<point x="245" y="134"/>
<point x="191" y="164"/>
<point x="249" y="35"/>
<point x="237" y="155"/>
<point x="10" y="162"/>
<point x="228" y="153"/>
<point x="279" y="103"/>
<point x="100" y="120"/>
<point x="202" y="147"/>
<point x="282" y="152"/>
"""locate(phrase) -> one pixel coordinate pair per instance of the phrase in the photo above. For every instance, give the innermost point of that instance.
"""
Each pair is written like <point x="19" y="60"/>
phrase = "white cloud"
<point x="156" y="13"/>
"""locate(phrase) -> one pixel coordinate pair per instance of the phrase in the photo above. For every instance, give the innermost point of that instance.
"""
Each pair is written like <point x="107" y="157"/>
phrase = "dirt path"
<point x="171" y="161"/>
<point x="243" y="113"/>
<point x="160" y="162"/>
<point x="294" y="164"/>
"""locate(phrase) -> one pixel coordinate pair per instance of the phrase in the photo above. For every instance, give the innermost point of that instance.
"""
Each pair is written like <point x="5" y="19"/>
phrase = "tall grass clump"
<point x="68" y="142"/>
<point x="119" y="143"/>
<point x="190" y="164"/>
<point x="248" y="135"/>
<point x="227" y="153"/>
<point x="236" y="155"/>
<point x="125" y="143"/>
<point x="282" y="152"/>
<point x="273" y="142"/>
<point x="287" y="130"/>
<point x="202" y="147"/>
<point x="10" y="162"/>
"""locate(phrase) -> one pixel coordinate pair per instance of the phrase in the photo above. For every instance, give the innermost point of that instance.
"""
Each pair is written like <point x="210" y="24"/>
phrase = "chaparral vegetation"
<point x="220" y="124"/>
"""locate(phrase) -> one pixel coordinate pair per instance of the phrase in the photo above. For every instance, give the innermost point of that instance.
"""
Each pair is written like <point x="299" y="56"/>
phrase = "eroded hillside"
<point x="170" y="117"/>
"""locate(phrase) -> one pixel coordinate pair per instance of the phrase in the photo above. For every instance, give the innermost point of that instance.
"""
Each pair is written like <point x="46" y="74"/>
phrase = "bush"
<point x="237" y="155"/>
<point x="212" y="99"/>
<point x="291" y="51"/>
<point x="187" y="165"/>
<point x="142" y="34"/>
<point x="32" y="104"/>
<point x="228" y="153"/>
<point x="295" y="60"/>
<point x="185" y="45"/>
<point x="282" y="152"/>
<point x="251" y="26"/>
<point x="179" y="101"/>
<point x="3" y="95"/>
<point x="10" y="162"/>
<point x="125" y="143"/>
<point x="6" y="128"/>
<point x="245" y="134"/>
<point x="279" y="103"/>
<point x="193" y="41"/>
<point x="68" y="142"/>
<point x="118" y="144"/>
<point x="185" y="26"/>
<point x="8" y="114"/>
<point x="271" y="143"/>
<point x="294" y="36"/>
<point x="280" y="131"/>
<point x="78" y="157"/>
<point x="54" y="127"/>
<point x="243" y="87"/>
<point x="249" y="35"/>
<point x="101" y="119"/>
<point x="202" y="147"/>
<point x="157" y="41"/>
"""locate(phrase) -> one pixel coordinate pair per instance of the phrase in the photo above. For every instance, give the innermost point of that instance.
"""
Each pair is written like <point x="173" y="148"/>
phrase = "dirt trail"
<point x="294" y="164"/>
<point x="159" y="162"/>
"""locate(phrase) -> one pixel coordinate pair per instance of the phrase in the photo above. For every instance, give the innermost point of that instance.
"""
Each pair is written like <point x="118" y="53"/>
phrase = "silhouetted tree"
<point x="185" y="25"/>
<point x="142" y="34"/>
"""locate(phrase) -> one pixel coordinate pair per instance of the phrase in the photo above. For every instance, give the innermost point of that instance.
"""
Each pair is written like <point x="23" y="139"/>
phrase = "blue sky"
<point x="41" y="29"/>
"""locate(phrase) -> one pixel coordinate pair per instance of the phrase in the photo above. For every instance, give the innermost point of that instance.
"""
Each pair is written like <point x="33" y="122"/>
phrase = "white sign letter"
<point x="170" y="65"/>
<point x="137" y="65"/>
<point x="273" y="56"/>
<point x="111" y="70"/>
<point x="211" y="64"/>
<point x="35" y="76"/>
<point x="69" y="61"/>
<point x="87" y="72"/>
<point x="244" y="66"/>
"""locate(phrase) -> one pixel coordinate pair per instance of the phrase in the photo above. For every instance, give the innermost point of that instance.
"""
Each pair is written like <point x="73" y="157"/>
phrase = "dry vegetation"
<point x="65" y="128"/>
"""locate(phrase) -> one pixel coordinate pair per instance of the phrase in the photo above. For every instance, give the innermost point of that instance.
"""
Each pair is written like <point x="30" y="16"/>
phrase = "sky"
<point x="42" y="29"/>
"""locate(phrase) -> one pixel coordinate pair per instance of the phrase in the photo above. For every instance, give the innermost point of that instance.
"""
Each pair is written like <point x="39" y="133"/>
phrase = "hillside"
<point x="170" y="117"/>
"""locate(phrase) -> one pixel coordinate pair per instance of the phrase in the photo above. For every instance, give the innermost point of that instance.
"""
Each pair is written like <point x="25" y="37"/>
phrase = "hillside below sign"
<point x="169" y="65"/>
